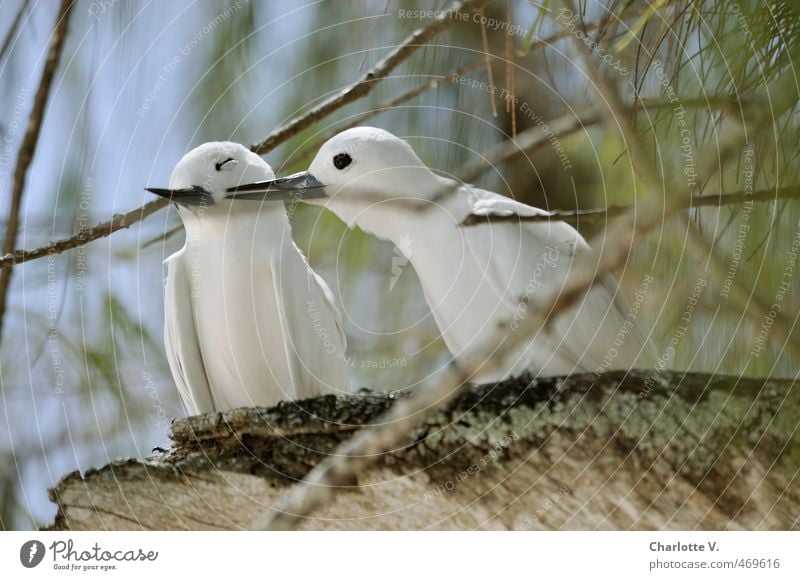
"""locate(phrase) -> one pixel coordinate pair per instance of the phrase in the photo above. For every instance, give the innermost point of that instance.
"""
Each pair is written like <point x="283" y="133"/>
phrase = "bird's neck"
<point x="402" y="219"/>
<point x="263" y="224"/>
<point x="430" y="210"/>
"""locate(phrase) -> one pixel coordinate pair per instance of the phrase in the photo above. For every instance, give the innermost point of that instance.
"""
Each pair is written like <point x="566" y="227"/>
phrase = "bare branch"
<point x="29" y="141"/>
<point x="726" y="103"/>
<point x="84" y="236"/>
<point x="526" y="142"/>
<point x="385" y="106"/>
<point x="366" y="83"/>
<point x="12" y="32"/>
<point x="536" y="137"/>
<point x="599" y="214"/>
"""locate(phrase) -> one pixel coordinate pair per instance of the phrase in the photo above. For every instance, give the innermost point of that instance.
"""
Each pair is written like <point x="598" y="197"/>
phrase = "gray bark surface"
<point x="642" y="450"/>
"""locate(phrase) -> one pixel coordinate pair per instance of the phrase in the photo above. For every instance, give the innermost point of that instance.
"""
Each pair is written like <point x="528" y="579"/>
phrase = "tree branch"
<point x="12" y="32"/>
<point x="84" y="236"/>
<point x="599" y="214"/>
<point x="435" y="82"/>
<point x="513" y="443"/>
<point x="366" y="83"/>
<point x="528" y="141"/>
<point x="28" y="146"/>
<point x="656" y="207"/>
<point x="536" y="137"/>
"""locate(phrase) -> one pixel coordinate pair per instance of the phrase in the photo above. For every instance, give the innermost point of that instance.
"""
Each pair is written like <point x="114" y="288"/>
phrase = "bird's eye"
<point x="342" y="160"/>
<point x="221" y="164"/>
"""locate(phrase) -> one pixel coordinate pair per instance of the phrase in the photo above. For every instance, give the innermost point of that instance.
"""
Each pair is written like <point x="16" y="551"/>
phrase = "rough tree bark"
<point x="644" y="450"/>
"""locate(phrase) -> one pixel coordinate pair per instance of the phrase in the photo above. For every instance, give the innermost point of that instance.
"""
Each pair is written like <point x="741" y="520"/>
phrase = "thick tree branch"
<point x="366" y="83"/>
<point x="495" y="458"/>
<point x="28" y="146"/>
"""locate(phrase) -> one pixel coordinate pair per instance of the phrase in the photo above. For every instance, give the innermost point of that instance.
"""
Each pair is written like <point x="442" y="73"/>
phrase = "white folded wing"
<point x="180" y="338"/>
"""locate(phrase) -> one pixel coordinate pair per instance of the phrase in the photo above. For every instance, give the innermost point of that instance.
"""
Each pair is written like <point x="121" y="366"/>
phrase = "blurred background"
<point x="83" y="375"/>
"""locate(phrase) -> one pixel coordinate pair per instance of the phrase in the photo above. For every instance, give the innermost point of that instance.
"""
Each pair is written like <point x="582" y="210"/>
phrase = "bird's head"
<point x="202" y="178"/>
<point x="356" y="169"/>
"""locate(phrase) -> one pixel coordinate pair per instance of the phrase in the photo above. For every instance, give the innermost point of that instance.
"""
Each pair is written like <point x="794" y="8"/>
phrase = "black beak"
<point x="299" y="186"/>
<point x="194" y="195"/>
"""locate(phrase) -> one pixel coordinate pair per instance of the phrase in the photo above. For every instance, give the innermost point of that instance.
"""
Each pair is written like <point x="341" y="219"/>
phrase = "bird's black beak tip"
<point x="194" y="195"/>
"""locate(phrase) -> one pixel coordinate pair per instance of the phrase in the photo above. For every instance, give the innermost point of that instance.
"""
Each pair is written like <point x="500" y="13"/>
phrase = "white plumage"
<point x="477" y="280"/>
<point x="247" y="322"/>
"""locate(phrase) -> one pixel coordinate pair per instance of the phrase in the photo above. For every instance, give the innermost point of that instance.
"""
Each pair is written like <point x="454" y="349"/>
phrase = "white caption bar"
<point x="402" y="555"/>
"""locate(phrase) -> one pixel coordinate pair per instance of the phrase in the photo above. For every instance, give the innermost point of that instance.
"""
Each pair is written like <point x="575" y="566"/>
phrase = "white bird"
<point x="247" y="321"/>
<point x="478" y="280"/>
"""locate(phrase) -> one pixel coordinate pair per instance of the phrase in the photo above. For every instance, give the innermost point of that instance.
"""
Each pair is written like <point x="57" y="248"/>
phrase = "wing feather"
<point x="313" y="326"/>
<point x="180" y="339"/>
<point x="543" y="252"/>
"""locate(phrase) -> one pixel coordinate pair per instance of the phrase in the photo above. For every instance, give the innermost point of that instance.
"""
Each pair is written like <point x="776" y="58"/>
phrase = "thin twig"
<point x="387" y="105"/>
<point x="564" y="125"/>
<point x="511" y="100"/>
<point x="12" y="32"/>
<point x="536" y="137"/>
<point x="585" y="26"/>
<point x="657" y="207"/>
<point x="600" y="214"/>
<point x="84" y="236"/>
<point x="28" y="145"/>
<point x="526" y="142"/>
<point x="487" y="58"/>
<point x="630" y="227"/>
<point x="366" y="83"/>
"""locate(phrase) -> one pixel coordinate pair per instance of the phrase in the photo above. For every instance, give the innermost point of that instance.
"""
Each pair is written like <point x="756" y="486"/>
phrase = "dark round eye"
<point x="342" y="160"/>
